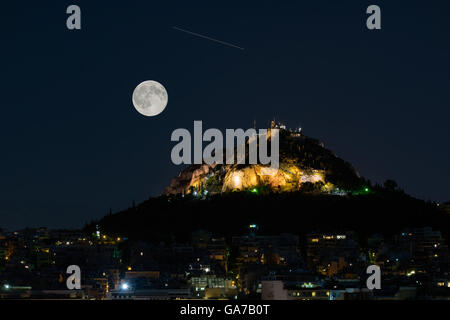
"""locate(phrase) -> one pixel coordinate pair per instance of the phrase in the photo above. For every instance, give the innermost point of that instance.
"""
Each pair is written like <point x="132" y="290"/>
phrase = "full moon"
<point x="150" y="98"/>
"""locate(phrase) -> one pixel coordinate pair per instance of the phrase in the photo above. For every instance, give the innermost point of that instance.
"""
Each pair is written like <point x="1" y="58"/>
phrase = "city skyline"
<point x="314" y="265"/>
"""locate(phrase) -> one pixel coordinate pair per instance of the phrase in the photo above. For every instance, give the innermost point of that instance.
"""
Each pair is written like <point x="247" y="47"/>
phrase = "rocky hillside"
<point x="312" y="190"/>
<point x="303" y="162"/>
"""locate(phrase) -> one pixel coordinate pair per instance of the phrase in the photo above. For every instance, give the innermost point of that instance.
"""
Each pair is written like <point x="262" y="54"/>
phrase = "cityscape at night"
<point x="132" y="255"/>
<point x="319" y="266"/>
<point x="210" y="159"/>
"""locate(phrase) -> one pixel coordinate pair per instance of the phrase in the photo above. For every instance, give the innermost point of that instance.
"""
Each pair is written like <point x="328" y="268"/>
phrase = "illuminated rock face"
<point x="286" y="178"/>
<point x="193" y="176"/>
<point x="302" y="160"/>
<point x="242" y="179"/>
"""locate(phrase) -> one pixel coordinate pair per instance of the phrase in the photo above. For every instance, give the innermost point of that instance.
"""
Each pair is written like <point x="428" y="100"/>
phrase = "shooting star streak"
<point x="208" y="38"/>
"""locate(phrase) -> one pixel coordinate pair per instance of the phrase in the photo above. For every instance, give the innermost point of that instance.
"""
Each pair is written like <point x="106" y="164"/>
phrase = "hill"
<point x="175" y="218"/>
<point x="302" y="160"/>
<point x="313" y="190"/>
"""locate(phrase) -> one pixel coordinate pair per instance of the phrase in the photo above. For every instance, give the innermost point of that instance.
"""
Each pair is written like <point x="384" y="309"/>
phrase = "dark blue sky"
<point x="72" y="145"/>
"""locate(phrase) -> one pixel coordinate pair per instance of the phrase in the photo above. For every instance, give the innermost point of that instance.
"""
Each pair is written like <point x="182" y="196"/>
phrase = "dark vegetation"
<point x="175" y="218"/>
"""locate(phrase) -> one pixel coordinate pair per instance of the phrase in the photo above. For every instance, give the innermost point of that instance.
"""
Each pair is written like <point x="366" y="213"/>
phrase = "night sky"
<point x="73" y="146"/>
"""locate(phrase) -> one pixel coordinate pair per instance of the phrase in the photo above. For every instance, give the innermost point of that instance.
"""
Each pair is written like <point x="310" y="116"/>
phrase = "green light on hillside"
<point x="366" y="189"/>
<point x="254" y="190"/>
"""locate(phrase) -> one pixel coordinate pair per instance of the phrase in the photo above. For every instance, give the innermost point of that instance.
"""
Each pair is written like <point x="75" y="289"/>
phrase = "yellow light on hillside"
<point x="237" y="181"/>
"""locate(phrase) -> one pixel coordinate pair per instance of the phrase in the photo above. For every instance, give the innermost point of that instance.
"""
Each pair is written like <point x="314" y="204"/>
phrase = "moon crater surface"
<point x="150" y="98"/>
